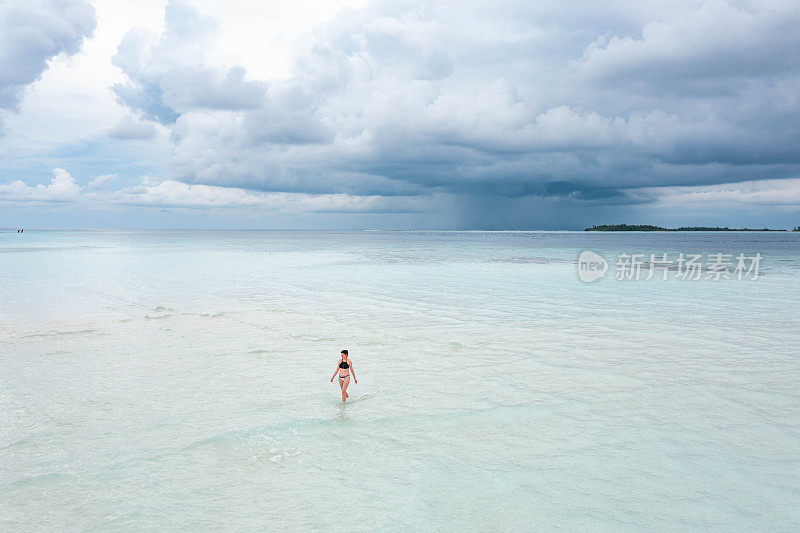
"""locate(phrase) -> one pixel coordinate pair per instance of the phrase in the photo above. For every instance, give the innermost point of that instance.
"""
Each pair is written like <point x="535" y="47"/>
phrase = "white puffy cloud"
<point x="169" y="75"/>
<point x="62" y="188"/>
<point x="102" y="181"/>
<point x="172" y="194"/>
<point x="776" y="193"/>
<point x="181" y="195"/>
<point x="131" y="128"/>
<point x="32" y="32"/>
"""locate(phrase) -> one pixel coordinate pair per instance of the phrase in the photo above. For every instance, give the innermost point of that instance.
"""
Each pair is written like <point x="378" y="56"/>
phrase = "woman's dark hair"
<point x="344" y="352"/>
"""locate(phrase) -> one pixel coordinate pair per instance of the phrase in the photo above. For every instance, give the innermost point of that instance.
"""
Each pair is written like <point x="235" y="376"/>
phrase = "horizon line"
<point x="16" y="229"/>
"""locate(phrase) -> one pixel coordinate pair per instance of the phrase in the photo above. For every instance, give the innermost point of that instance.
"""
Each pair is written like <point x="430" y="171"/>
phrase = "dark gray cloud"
<point x="515" y="99"/>
<point x="32" y="32"/>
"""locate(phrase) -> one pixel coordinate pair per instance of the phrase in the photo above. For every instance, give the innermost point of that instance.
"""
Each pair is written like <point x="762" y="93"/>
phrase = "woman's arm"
<point x="352" y="371"/>
<point x="335" y="372"/>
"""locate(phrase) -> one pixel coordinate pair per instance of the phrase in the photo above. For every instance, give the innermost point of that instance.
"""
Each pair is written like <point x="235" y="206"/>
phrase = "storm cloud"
<point x="509" y="100"/>
<point x="511" y="114"/>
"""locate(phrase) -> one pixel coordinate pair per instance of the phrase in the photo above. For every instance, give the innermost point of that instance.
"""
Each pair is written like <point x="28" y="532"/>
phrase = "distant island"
<point x="648" y="227"/>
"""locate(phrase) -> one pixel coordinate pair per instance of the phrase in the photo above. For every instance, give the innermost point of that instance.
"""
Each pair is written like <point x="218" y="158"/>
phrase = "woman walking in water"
<point x="344" y="368"/>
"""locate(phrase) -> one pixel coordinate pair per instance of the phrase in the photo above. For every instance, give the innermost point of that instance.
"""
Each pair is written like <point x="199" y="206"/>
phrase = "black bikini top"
<point x="343" y="365"/>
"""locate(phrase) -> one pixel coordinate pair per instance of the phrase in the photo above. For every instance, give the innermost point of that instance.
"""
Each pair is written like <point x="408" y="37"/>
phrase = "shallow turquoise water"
<point x="180" y="380"/>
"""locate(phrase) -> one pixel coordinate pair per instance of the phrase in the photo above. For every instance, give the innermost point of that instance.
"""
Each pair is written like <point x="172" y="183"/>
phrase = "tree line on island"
<point x="648" y="227"/>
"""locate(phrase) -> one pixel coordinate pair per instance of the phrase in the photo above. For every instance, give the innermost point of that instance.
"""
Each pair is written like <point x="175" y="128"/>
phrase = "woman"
<point x="344" y="368"/>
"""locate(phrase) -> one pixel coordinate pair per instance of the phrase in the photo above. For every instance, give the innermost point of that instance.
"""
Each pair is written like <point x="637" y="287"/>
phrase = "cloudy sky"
<point x="393" y="114"/>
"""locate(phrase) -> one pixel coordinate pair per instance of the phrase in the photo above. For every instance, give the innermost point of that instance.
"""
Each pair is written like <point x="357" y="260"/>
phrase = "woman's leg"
<point x="345" y="383"/>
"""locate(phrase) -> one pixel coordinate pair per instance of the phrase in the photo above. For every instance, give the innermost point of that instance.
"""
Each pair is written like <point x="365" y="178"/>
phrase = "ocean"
<point x="168" y="380"/>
